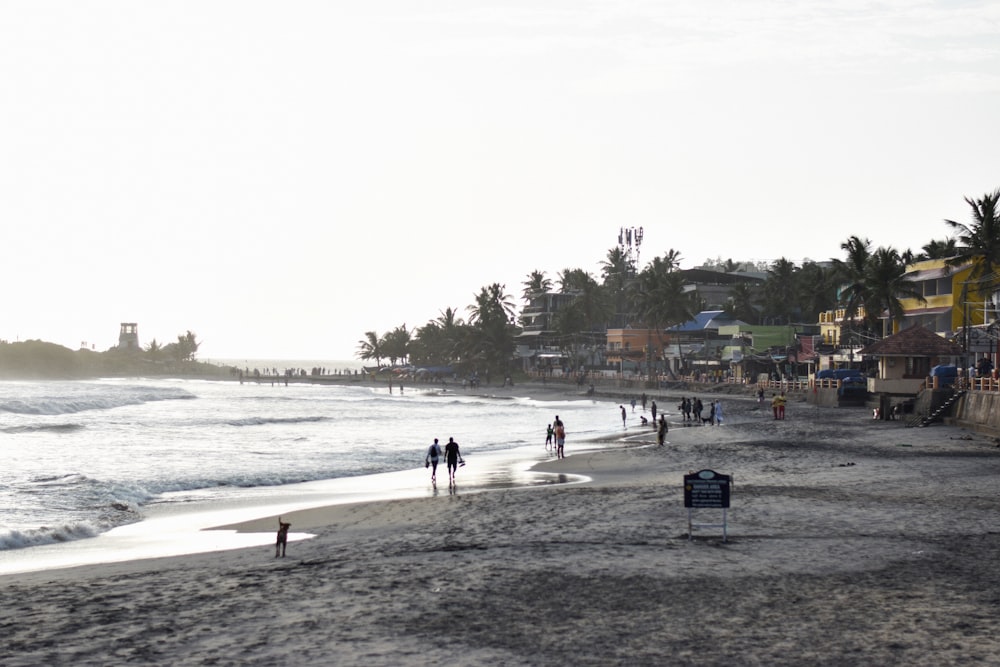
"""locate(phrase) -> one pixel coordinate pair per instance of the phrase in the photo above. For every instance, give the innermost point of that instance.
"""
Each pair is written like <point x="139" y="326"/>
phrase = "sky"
<point x="280" y="178"/>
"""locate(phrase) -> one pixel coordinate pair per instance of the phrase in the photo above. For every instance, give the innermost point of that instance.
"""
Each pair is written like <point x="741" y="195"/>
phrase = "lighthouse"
<point x="128" y="337"/>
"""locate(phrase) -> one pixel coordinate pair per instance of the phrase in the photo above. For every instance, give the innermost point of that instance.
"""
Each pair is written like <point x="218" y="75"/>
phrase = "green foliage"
<point x="866" y="281"/>
<point x="36" y="359"/>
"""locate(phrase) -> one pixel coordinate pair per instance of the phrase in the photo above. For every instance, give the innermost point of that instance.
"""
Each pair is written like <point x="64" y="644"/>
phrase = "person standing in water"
<point x="560" y="430"/>
<point x="549" y="434"/>
<point x="452" y="457"/>
<point x="661" y="431"/>
<point x="624" y="415"/>
<point x="431" y="460"/>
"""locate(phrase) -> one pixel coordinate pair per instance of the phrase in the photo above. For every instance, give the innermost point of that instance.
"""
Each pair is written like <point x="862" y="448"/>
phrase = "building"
<point x="635" y="349"/>
<point x="949" y="299"/>
<point x="541" y="347"/>
<point x="128" y="337"/>
<point x="905" y="359"/>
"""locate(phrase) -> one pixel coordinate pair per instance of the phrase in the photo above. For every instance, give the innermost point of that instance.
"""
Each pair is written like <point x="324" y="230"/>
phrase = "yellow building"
<point x="951" y="302"/>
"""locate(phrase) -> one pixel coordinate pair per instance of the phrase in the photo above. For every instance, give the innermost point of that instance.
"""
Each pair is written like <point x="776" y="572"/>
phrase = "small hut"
<point x="905" y="359"/>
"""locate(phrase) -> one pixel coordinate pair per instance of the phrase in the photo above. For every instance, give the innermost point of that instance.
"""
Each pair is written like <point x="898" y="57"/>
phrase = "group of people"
<point x="452" y="456"/>
<point x="692" y="410"/>
<point x="555" y="437"/>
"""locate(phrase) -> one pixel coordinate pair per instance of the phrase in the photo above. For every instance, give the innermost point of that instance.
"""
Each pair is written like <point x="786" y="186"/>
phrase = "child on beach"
<point x="549" y="433"/>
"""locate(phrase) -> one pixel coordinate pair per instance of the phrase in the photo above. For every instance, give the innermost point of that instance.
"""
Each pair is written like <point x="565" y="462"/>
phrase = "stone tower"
<point x="128" y="337"/>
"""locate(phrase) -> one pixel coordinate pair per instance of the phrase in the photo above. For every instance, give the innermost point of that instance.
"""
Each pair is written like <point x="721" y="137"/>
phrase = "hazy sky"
<point x="280" y="178"/>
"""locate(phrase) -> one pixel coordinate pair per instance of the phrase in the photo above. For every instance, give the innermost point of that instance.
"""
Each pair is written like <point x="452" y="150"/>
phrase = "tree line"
<point x="44" y="360"/>
<point x="866" y="282"/>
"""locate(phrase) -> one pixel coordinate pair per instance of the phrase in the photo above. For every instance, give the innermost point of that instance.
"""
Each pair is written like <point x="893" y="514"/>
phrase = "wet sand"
<point x="850" y="542"/>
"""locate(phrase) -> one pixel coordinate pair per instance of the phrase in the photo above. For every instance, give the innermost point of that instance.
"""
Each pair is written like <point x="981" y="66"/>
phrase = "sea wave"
<point x="98" y="399"/>
<point x="33" y="428"/>
<point x="31" y="537"/>
<point x="87" y="507"/>
<point x="260" y="421"/>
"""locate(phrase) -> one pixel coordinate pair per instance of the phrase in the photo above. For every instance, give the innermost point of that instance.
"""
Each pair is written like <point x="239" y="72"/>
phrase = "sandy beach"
<point x="850" y="542"/>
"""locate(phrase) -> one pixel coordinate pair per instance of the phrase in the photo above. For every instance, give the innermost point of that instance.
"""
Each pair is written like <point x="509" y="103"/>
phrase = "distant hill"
<point x="35" y="359"/>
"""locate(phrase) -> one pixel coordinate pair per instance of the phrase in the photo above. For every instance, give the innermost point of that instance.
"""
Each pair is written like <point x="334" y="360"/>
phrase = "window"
<point x="917" y="367"/>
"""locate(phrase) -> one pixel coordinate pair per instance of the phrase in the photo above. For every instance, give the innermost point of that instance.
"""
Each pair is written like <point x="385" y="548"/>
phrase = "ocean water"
<point x="78" y="459"/>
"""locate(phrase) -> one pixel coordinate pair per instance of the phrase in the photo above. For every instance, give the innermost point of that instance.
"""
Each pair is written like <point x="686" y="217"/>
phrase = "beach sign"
<point x="707" y="489"/>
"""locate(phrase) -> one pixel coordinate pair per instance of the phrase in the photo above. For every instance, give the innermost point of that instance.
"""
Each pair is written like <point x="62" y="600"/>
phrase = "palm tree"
<point x="491" y="335"/>
<point x="939" y="249"/>
<point x="658" y="296"/>
<point x="853" y="276"/>
<point x="588" y="311"/>
<point x="572" y="280"/>
<point x="594" y="303"/>
<point x="886" y="281"/>
<point x="617" y="271"/>
<point x="742" y="303"/>
<point x="779" y="291"/>
<point x="537" y="283"/>
<point x="396" y="344"/>
<point x="672" y="258"/>
<point x="453" y="331"/>
<point x="817" y="290"/>
<point x="617" y="268"/>
<point x="980" y="241"/>
<point x="370" y="347"/>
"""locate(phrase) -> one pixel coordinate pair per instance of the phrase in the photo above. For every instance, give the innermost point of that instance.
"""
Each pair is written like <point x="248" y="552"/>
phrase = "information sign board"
<point x="706" y="488"/>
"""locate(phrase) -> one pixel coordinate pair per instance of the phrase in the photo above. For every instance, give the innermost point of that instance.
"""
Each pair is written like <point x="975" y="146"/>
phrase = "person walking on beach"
<point x="431" y="460"/>
<point x="718" y="412"/>
<point x="633" y="404"/>
<point x="661" y="430"/>
<point x="653" y="409"/>
<point x="624" y="414"/>
<point x="452" y="457"/>
<point x="711" y="413"/>
<point x="549" y="434"/>
<point x="560" y="432"/>
<point x="643" y="401"/>
<point x="774" y="405"/>
<point x="781" y="405"/>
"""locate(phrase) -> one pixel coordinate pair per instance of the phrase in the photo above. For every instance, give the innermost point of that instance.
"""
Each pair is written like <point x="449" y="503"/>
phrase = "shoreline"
<point x="850" y="541"/>
<point x="170" y="529"/>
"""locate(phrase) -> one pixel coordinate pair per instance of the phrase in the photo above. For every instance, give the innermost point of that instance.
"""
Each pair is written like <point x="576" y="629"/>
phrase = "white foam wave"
<point x="62" y="405"/>
<point x="34" y="428"/>
<point x="260" y="421"/>
<point x="18" y="539"/>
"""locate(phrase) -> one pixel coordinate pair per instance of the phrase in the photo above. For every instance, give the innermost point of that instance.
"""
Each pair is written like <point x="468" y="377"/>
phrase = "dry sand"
<point x="892" y="560"/>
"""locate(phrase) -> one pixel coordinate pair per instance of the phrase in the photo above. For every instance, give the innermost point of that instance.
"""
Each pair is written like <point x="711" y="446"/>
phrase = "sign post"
<point x="707" y="489"/>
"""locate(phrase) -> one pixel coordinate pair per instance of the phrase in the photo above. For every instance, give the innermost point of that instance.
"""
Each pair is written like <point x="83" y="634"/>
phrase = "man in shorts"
<point x="452" y="458"/>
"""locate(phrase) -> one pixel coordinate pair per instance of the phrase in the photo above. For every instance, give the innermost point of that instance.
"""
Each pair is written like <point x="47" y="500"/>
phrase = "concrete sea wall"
<point x="978" y="411"/>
